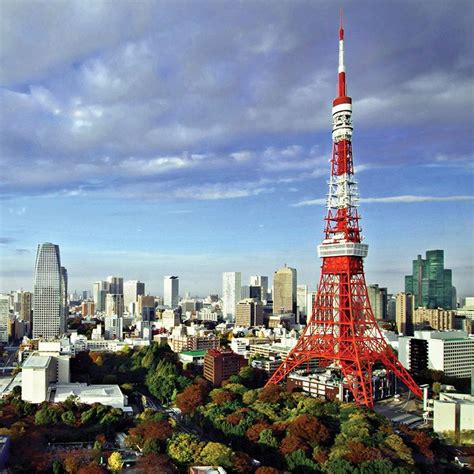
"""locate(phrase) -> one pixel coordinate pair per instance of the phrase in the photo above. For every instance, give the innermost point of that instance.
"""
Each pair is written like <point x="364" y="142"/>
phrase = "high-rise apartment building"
<point x="231" y="293"/>
<point x="249" y="313"/>
<point x="24" y="305"/>
<point x="404" y="307"/>
<point x="114" y="305"/>
<point x="284" y="291"/>
<point x="4" y="317"/>
<point x="171" y="291"/>
<point x="430" y="283"/>
<point x="378" y="301"/>
<point x="131" y="290"/>
<point x="439" y="319"/>
<point x="48" y="310"/>
<point x="115" y="285"/>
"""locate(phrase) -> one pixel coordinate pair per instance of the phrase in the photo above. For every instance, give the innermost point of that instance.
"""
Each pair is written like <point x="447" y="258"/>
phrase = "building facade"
<point x="131" y="290"/>
<point x="114" y="304"/>
<point x="284" y="291"/>
<point x="48" y="310"/>
<point x="231" y="293"/>
<point x="404" y="308"/>
<point x="219" y="365"/>
<point x="430" y="283"/>
<point x="249" y="313"/>
<point x="378" y="301"/>
<point x="4" y="317"/>
<point x="171" y="291"/>
<point x="439" y="319"/>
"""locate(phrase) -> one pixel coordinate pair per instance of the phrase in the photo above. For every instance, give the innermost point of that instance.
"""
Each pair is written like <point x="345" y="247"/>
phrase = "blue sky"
<point x="193" y="138"/>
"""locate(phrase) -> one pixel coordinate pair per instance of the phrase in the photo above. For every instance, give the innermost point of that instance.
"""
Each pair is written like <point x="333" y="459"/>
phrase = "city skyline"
<point x="225" y="121"/>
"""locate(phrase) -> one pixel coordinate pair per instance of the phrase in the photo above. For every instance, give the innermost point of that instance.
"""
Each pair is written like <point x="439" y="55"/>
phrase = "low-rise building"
<point x="330" y="385"/>
<point x="110" y="395"/>
<point x="219" y="365"/>
<point x="453" y="417"/>
<point x="439" y="319"/>
<point x="449" y="351"/>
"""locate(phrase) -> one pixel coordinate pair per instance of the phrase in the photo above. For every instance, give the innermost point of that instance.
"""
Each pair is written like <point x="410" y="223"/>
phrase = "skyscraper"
<point x="131" y="290"/>
<point x="48" y="310"/>
<point x="284" y="291"/>
<point x="231" y="293"/>
<point x="262" y="281"/>
<point x="404" y="313"/>
<point x="64" y="292"/>
<point x="302" y="299"/>
<point x="115" y="285"/>
<point x="249" y="313"/>
<point x="378" y="301"/>
<point x="171" y="291"/>
<point x="4" y="315"/>
<point x="430" y="283"/>
<point x="100" y="290"/>
<point x="114" y="304"/>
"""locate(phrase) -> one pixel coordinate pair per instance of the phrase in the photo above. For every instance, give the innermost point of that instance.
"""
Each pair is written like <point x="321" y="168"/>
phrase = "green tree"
<point x="338" y="466"/>
<point x="267" y="439"/>
<point x="184" y="448"/>
<point x="298" y="462"/>
<point x="216" y="454"/>
<point x="69" y="418"/>
<point x="115" y="462"/>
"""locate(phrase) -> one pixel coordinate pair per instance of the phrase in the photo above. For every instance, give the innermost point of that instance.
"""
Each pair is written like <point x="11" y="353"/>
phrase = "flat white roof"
<point x="37" y="362"/>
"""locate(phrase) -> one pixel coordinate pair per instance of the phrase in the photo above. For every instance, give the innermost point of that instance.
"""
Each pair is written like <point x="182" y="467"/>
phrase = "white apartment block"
<point x="231" y="293"/>
<point x="4" y="315"/>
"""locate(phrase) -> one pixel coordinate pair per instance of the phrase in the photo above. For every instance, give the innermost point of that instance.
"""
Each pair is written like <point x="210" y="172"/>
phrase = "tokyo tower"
<point x="342" y="330"/>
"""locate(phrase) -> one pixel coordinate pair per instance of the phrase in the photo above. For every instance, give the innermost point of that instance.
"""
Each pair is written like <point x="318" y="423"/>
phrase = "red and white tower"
<point x="342" y="329"/>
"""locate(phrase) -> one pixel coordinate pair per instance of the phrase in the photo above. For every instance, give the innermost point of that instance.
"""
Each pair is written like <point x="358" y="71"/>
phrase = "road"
<point x="185" y="424"/>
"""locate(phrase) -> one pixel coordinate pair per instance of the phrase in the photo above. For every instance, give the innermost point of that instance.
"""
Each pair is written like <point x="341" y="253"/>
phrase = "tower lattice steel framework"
<point x="342" y="329"/>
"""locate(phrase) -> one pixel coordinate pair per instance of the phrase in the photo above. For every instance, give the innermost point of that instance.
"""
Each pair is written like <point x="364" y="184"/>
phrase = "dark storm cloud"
<point x="201" y="100"/>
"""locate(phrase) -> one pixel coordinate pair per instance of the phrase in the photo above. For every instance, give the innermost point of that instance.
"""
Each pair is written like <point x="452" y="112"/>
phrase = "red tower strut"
<point x="342" y="329"/>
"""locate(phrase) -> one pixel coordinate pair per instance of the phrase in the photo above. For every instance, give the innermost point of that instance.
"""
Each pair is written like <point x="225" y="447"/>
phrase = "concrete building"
<point x="404" y="308"/>
<point x="449" y="351"/>
<point x="115" y="285"/>
<point x="219" y="365"/>
<point x="48" y="309"/>
<point x="302" y="300"/>
<point x="38" y="372"/>
<point x="249" y="313"/>
<point x="87" y="308"/>
<point x="144" y="302"/>
<point x="180" y="341"/>
<point x="284" y="291"/>
<point x="110" y="395"/>
<point x="113" y="326"/>
<point x="262" y="282"/>
<point x="231" y="294"/>
<point x="453" y="417"/>
<point x="99" y="293"/>
<point x="439" y="319"/>
<point x="114" y="304"/>
<point x="378" y="301"/>
<point x="170" y="319"/>
<point x="131" y="290"/>
<point x="4" y="318"/>
<point x="64" y="286"/>
<point x="171" y="291"/>
<point x="329" y="385"/>
<point x="310" y="302"/>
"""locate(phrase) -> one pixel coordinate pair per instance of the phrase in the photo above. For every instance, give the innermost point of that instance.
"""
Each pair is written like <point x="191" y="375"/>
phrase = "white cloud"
<point x="392" y="199"/>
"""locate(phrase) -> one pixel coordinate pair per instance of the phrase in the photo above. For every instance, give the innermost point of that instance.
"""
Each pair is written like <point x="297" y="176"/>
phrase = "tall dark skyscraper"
<point x="48" y="309"/>
<point x="430" y="283"/>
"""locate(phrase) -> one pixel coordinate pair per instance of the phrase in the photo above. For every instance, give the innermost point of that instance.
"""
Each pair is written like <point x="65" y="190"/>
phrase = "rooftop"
<point x="36" y="361"/>
<point x="200" y="353"/>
